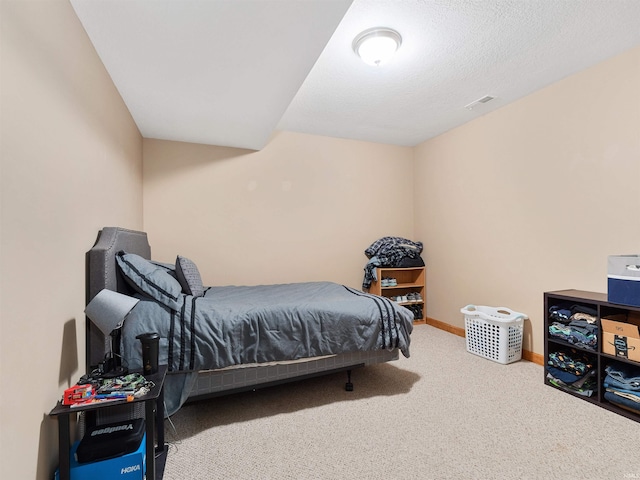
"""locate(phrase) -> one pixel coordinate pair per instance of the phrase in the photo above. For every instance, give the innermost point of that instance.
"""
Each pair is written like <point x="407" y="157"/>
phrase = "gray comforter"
<point x="254" y="324"/>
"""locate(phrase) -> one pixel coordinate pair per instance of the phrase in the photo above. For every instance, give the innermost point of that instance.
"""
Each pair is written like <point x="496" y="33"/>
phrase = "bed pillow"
<point x="170" y="268"/>
<point x="189" y="277"/>
<point x="151" y="280"/>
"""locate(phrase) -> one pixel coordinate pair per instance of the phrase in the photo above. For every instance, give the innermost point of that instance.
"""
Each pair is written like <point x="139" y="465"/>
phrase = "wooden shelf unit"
<point x="409" y="280"/>
<point x="598" y="302"/>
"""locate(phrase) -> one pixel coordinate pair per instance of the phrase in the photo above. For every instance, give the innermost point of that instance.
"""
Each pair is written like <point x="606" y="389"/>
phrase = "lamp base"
<point x="116" y="372"/>
<point x="109" y="369"/>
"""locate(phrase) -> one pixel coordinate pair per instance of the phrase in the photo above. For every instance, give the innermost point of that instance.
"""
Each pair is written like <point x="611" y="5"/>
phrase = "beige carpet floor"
<point x="442" y="414"/>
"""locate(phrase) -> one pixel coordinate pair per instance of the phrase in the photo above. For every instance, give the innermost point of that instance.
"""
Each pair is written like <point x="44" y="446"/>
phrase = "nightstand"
<point x="154" y="423"/>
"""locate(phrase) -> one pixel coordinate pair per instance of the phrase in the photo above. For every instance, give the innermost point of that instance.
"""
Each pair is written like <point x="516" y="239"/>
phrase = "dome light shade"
<point x="376" y="46"/>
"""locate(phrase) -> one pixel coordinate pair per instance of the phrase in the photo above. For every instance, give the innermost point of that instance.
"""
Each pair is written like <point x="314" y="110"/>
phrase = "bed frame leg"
<point x="348" y="386"/>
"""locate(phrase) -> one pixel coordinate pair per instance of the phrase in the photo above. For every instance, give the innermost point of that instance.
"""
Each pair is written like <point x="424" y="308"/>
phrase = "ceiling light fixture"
<point x="376" y="46"/>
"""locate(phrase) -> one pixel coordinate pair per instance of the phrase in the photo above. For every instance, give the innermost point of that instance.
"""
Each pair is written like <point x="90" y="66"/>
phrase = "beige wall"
<point x="534" y="196"/>
<point x="71" y="162"/>
<point x="302" y="209"/>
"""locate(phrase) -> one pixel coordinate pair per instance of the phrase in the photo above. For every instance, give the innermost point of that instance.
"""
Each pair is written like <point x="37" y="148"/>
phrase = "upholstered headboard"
<point x="102" y="272"/>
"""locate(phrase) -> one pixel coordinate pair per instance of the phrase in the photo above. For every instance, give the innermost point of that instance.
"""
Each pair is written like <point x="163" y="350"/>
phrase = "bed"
<point x="222" y="339"/>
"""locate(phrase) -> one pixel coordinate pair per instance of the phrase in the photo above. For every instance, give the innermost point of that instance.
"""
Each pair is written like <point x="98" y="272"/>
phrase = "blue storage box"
<point x="623" y="280"/>
<point x="131" y="466"/>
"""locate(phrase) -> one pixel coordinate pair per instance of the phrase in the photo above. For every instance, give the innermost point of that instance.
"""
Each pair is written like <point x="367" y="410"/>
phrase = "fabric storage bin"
<point x="494" y="332"/>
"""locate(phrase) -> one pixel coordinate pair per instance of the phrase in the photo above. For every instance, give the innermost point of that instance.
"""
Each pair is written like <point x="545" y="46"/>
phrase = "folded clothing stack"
<point x="576" y="325"/>
<point x="573" y="371"/>
<point x="622" y="386"/>
<point x="397" y="252"/>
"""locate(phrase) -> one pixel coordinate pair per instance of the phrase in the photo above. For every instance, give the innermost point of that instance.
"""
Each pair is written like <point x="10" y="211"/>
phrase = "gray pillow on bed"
<point x="149" y="279"/>
<point x="189" y="277"/>
<point x="170" y="268"/>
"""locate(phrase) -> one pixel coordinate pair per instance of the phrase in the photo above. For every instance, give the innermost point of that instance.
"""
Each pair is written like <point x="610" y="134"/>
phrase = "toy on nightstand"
<point x="77" y="394"/>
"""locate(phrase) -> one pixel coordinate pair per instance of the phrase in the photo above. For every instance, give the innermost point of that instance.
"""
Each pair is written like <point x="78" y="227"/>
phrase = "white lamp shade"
<point x="377" y="45"/>
<point x="108" y="309"/>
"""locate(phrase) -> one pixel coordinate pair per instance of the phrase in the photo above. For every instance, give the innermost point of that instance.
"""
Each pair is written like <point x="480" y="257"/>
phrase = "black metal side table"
<point x="154" y="424"/>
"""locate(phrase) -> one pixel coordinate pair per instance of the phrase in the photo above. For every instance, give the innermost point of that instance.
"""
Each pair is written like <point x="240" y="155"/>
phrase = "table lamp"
<point x="107" y="311"/>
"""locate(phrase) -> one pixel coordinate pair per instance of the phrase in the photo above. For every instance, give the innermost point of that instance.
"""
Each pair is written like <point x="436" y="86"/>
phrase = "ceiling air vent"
<point x="485" y="99"/>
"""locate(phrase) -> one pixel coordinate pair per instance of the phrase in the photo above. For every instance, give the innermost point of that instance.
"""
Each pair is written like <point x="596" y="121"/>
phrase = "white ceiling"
<point x="231" y="72"/>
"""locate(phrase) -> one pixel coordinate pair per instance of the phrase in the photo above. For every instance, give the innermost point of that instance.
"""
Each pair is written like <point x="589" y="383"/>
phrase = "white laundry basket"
<point x="494" y="332"/>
